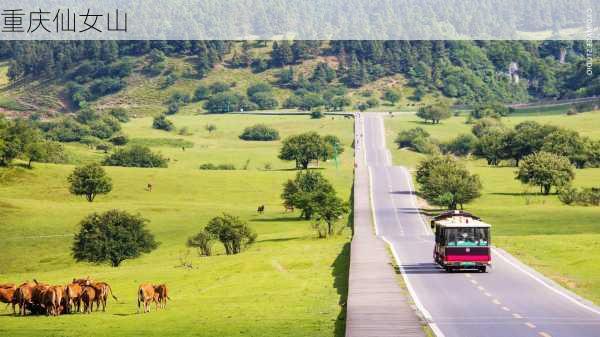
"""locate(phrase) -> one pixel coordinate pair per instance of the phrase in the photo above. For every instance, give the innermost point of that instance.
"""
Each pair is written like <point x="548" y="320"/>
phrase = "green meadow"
<point x="289" y="283"/>
<point x="561" y="241"/>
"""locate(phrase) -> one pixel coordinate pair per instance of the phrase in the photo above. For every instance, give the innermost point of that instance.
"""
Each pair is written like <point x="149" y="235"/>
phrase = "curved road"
<point x="510" y="301"/>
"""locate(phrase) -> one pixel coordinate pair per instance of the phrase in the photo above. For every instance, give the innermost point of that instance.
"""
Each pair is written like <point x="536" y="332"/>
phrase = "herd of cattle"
<point x="81" y="294"/>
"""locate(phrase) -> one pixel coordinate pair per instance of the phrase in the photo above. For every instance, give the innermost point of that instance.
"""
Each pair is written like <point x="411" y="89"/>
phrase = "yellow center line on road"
<point x="488" y="294"/>
<point x="545" y="334"/>
<point x="481" y="288"/>
<point x="496" y="301"/>
<point x="505" y="309"/>
<point x="474" y="281"/>
<point x="517" y="316"/>
<point x="467" y="275"/>
<point x="529" y="324"/>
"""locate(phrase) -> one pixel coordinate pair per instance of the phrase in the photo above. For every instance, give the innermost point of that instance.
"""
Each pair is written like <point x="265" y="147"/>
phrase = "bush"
<point x="120" y="114"/>
<point x="373" y="102"/>
<point x="162" y="123"/>
<point x="260" y="132"/>
<point x="223" y="102"/>
<point x="316" y="114"/>
<point x="202" y="92"/>
<point x="264" y="100"/>
<point x="119" y="140"/>
<point x="219" y="87"/>
<point x="203" y="241"/>
<point x="568" y="195"/>
<point x="462" y="145"/>
<point x="135" y="156"/>
<point x="257" y="88"/>
<point x="221" y="167"/>
<point x="391" y="96"/>
<point x="173" y="108"/>
<point x="105" y="86"/>
<point x="585" y="197"/>
<point x="234" y="234"/>
<point x="407" y="138"/>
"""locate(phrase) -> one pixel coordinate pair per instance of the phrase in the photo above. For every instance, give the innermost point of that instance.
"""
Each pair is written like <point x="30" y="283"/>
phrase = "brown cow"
<point x="7" y="295"/>
<point x="88" y="297"/>
<point x="50" y="299"/>
<point x="38" y="298"/>
<point x="146" y="295"/>
<point x="161" y="294"/>
<point x="73" y="293"/>
<point x="102" y="290"/>
<point x="23" y="296"/>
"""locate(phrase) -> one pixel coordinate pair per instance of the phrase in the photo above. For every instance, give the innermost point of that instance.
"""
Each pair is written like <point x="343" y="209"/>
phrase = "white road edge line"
<point x="371" y="201"/>
<point x="428" y="318"/>
<point x="557" y="291"/>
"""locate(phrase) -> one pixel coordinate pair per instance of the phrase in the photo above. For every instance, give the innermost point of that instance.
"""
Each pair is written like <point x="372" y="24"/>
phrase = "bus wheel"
<point x="482" y="269"/>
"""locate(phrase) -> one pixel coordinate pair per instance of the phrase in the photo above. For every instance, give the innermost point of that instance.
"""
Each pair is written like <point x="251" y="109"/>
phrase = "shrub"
<point x="135" y="156"/>
<point x="119" y="140"/>
<point x="462" y="145"/>
<point x="119" y="114"/>
<point x="173" y="108"/>
<point x="407" y="138"/>
<point x="257" y="88"/>
<point x="260" y="132"/>
<point x="162" y="123"/>
<point x="202" y="92"/>
<point x="203" y="241"/>
<point x="264" y="100"/>
<point x="391" y="96"/>
<point x="316" y="114"/>
<point x="373" y="102"/>
<point x="234" y="234"/>
<point x="219" y="87"/>
<point x="568" y="195"/>
<point x="221" y="167"/>
<point x="223" y="102"/>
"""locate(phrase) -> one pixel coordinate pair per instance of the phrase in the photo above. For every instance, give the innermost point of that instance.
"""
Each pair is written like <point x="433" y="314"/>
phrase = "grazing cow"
<point x="23" y="296"/>
<point x="88" y="296"/>
<point x="261" y="209"/>
<point x="161" y="295"/>
<point x="146" y="295"/>
<point x="51" y="298"/>
<point x="38" y="298"/>
<point x="102" y="290"/>
<point x="149" y="188"/>
<point x="7" y="295"/>
<point x="83" y="281"/>
<point x="73" y="293"/>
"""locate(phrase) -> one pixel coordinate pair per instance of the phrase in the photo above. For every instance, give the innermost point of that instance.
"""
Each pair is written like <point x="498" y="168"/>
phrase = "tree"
<point x="444" y="181"/>
<point x="485" y="125"/>
<point x="302" y="148"/>
<point x="566" y="143"/>
<point x="112" y="237"/>
<point x="162" y="123"/>
<point x="492" y="146"/>
<point x="545" y="170"/>
<point x="434" y="113"/>
<point x="407" y="138"/>
<point x="89" y="180"/>
<point x="329" y="210"/>
<point x="223" y="102"/>
<point x="234" y="234"/>
<point x="527" y="138"/>
<point x="203" y="241"/>
<point x="494" y="110"/>
<point x="391" y="96"/>
<point x="304" y="192"/>
<point x="281" y="54"/>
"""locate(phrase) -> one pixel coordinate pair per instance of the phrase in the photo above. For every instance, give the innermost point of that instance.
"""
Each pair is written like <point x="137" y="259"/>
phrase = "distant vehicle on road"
<point x="462" y="241"/>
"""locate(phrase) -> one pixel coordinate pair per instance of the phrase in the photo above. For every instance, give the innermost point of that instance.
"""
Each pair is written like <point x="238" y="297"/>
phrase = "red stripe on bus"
<point x="467" y="258"/>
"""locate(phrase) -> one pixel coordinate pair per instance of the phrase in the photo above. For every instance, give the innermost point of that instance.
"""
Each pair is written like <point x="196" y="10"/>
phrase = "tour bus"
<point x="462" y="241"/>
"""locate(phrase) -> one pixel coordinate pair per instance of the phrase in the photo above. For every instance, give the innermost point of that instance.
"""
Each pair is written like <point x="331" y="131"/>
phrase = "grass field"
<point x="288" y="284"/>
<point x="561" y="241"/>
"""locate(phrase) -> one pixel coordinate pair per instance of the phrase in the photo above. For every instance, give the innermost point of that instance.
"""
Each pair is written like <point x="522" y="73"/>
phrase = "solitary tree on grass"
<point x="89" y="180"/>
<point x="112" y="237"/>
<point x="434" y="113"/>
<point x="546" y="170"/>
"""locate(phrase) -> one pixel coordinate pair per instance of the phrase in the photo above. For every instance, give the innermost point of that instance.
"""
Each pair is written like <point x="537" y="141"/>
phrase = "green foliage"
<point x="462" y="145"/>
<point x="407" y="138"/>
<point x="162" y="123"/>
<point x="219" y="167"/>
<point x="566" y="143"/>
<point x="202" y="92"/>
<point x="494" y="110"/>
<point x="89" y="180"/>
<point x="172" y="108"/>
<point x="112" y="237"/>
<point x="486" y="124"/>
<point x="119" y="139"/>
<point x="223" y="102"/>
<point x="203" y="241"/>
<point x="434" y="113"/>
<point x="305" y="191"/>
<point x="391" y="96"/>
<point x="135" y="156"/>
<point x="120" y="114"/>
<point x="264" y="100"/>
<point x="234" y="234"/>
<point x="309" y="146"/>
<point x="260" y="132"/>
<point x="219" y="87"/>
<point x="327" y="212"/>
<point x="545" y="170"/>
<point x="210" y="127"/>
<point x="446" y="182"/>
<point x="316" y="114"/>
<point x="372" y="102"/>
<point x="18" y="138"/>
<point x="281" y="54"/>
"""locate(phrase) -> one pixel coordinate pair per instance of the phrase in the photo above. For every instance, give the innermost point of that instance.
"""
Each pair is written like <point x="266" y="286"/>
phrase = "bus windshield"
<point x="466" y="236"/>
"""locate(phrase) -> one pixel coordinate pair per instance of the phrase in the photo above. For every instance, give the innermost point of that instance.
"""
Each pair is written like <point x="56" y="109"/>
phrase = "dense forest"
<point x="470" y="71"/>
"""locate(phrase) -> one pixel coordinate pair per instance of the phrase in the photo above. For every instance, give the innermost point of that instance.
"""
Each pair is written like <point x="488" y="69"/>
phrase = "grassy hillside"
<point x="558" y="240"/>
<point x="289" y="283"/>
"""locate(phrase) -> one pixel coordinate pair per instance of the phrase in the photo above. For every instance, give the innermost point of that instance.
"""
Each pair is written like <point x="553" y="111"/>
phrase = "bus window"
<point x="467" y="236"/>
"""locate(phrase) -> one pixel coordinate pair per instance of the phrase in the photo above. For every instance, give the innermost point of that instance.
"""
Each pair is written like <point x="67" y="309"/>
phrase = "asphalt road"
<point x="510" y="301"/>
